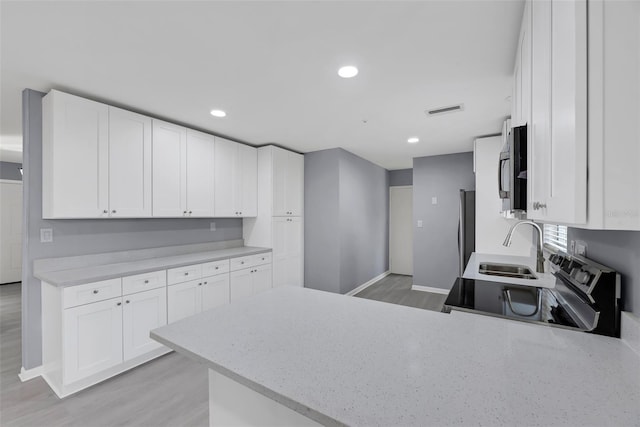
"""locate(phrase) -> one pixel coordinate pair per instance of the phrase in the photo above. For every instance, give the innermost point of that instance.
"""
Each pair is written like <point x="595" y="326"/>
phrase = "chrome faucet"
<point x="540" y="255"/>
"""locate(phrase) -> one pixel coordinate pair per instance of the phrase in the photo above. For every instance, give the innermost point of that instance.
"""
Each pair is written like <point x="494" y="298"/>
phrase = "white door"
<point x="92" y="338"/>
<point x="226" y="161"/>
<point x="261" y="278"/>
<point x="184" y="300"/>
<point x="295" y="184"/>
<point x="75" y="157"/>
<point x="401" y="230"/>
<point x="241" y="284"/>
<point x="129" y="164"/>
<point x="200" y="174"/>
<point x="248" y="180"/>
<point x="142" y="312"/>
<point x="10" y="231"/>
<point x="169" y="170"/>
<point x="215" y="291"/>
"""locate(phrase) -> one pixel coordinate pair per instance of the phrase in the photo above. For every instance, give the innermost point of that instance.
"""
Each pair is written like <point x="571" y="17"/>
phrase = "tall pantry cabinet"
<point x="279" y="223"/>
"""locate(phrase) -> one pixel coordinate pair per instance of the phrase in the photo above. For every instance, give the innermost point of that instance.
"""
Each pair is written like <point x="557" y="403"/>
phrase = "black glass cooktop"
<point x="526" y="303"/>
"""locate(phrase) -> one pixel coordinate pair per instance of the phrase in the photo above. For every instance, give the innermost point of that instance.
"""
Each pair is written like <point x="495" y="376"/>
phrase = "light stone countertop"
<point x="78" y="276"/>
<point x="544" y="280"/>
<point x="344" y="360"/>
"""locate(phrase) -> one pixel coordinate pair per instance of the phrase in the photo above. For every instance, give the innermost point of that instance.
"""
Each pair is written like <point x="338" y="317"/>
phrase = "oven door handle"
<point x="504" y="156"/>
<point x="507" y="297"/>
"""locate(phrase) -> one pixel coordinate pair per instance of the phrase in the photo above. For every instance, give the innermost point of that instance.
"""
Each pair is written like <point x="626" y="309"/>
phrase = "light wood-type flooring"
<point x="169" y="391"/>
<point x="396" y="289"/>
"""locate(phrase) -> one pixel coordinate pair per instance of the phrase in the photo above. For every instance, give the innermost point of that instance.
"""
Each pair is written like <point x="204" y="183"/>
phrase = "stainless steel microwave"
<point x="512" y="171"/>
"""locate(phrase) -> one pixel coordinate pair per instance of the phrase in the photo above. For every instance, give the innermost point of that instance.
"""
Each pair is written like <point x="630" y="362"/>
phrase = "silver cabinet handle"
<point x="146" y="281"/>
<point x="199" y="284"/>
<point x="113" y="211"/>
<point x="206" y="283"/>
<point x="184" y="212"/>
<point x="241" y="262"/>
<point x="95" y="291"/>
<point x="186" y="274"/>
<point x="217" y="268"/>
<point x="190" y="212"/>
<point x="119" y="304"/>
<point x="105" y="211"/>
<point x="127" y="301"/>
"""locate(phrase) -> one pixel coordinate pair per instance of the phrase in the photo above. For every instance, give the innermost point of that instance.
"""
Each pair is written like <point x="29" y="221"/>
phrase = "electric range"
<point x="586" y="297"/>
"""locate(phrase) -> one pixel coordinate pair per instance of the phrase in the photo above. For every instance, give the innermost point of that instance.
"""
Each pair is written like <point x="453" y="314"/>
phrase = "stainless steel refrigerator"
<point x="466" y="228"/>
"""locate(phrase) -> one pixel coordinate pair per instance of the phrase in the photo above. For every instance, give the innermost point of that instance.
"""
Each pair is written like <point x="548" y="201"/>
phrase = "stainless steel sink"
<point x="507" y="270"/>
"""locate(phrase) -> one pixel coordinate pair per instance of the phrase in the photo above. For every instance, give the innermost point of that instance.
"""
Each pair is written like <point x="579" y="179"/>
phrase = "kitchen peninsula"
<point x="300" y="356"/>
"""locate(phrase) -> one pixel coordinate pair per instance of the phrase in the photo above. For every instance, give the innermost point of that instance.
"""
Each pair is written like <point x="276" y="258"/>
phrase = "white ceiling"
<point x="271" y="65"/>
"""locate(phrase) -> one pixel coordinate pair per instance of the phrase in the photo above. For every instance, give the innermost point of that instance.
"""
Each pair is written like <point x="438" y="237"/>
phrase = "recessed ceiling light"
<point x="348" y="71"/>
<point x="413" y="140"/>
<point x="218" y="113"/>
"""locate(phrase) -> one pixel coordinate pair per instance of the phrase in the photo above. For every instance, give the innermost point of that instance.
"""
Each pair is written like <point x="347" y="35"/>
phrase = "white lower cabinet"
<point x="287" y="251"/>
<point x="250" y="281"/>
<point x="92" y="338"/>
<point x="184" y="299"/>
<point x="215" y="291"/>
<point x="141" y="313"/>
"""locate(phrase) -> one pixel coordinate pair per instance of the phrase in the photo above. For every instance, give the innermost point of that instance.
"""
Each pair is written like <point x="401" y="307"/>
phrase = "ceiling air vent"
<point x="444" y="110"/>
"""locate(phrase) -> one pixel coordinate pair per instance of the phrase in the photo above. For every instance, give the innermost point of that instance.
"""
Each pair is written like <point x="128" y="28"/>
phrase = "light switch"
<point x="419" y="223"/>
<point x="46" y="235"/>
<point x="212" y="226"/>
<point x="434" y="200"/>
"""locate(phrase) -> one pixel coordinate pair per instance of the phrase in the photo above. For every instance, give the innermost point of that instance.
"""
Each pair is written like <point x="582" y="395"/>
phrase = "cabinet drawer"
<point x="183" y="274"/>
<point x="144" y="282"/>
<point x="91" y="292"/>
<point x="215" y="267"/>
<point x="262" y="259"/>
<point x="241" y="262"/>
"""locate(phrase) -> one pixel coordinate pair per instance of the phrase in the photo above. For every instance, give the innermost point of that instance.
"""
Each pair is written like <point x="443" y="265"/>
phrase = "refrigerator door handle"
<point x="461" y="236"/>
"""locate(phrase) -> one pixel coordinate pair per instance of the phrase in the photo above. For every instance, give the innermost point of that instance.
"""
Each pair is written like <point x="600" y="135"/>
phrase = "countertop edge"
<point x="46" y="276"/>
<point x="290" y="403"/>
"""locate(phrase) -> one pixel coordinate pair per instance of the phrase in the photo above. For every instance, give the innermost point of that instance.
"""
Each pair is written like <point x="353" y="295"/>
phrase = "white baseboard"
<point x="369" y="283"/>
<point x="429" y="289"/>
<point x="630" y="330"/>
<point x="29" y="374"/>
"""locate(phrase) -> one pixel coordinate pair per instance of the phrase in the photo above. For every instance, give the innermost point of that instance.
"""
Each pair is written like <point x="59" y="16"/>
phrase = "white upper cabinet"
<point x="200" y="174"/>
<point x="236" y="182"/>
<point x="169" y="169"/>
<point x="129" y="164"/>
<point x="557" y="184"/>
<point x="288" y="179"/>
<point x="75" y="157"/>
<point x="521" y="97"/>
<point x="614" y="115"/>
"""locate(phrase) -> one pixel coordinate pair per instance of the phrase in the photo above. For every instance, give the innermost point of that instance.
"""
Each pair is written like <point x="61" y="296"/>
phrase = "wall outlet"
<point x="581" y="248"/>
<point x="212" y="226"/>
<point x="419" y="223"/>
<point x="434" y="200"/>
<point x="46" y="235"/>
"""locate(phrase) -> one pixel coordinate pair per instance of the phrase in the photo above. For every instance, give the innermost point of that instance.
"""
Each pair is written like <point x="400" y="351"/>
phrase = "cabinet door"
<point x="261" y="278"/>
<point x="75" y="157"/>
<point x="559" y="127"/>
<point x="248" y="180"/>
<point x="279" y="250"/>
<point x="183" y="300"/>
<point x="142" y="312"/>
<point x="92" y="339"/>
<point x="294" y="239"/>
<point x="215" y="291"/>
<point x="295" y="183"/>
<point x="279" y="165"/>
<point x="169" y="170"/>
<point x="129" y="164"/>
<point x="225" y="181"/>
<point x="200" y="174"/>
<point x="241" y="284"/>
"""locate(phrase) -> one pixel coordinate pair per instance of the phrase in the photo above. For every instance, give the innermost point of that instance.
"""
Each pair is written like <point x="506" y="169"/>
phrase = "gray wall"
<point x="9" y="170"/>
<point x="435" y="245"/>
<point x="346" y="220"/>
<point x="77" y="237"/>
<point x="364" y="221"/>
<point x="400" y="177"/>
<point x="619" y="250"/>
<point x="321" y="220"/>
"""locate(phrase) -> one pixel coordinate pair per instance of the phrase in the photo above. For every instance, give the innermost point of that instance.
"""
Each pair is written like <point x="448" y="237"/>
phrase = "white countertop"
<point x="346" y="360"/>
<point x="544" y="280"/>
<point x="77" y="276"/>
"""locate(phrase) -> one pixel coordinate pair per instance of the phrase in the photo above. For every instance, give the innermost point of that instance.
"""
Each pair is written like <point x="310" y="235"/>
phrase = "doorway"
<point x="10" y="231"/>
<point x="401" y="230"/>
